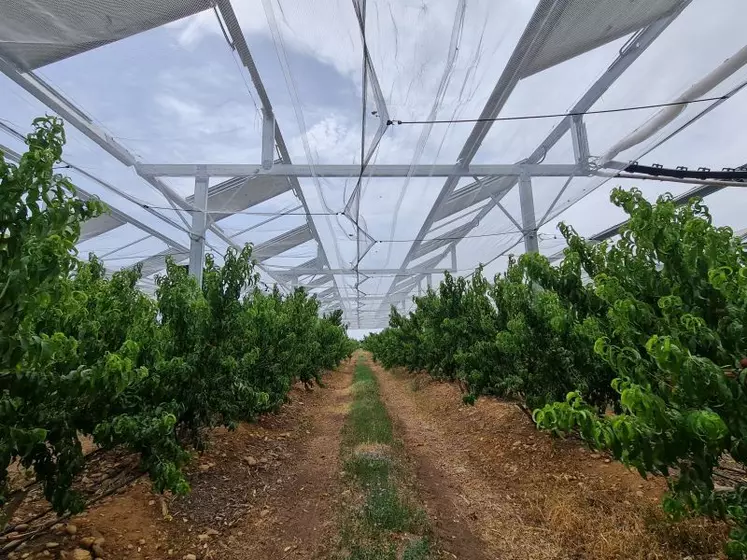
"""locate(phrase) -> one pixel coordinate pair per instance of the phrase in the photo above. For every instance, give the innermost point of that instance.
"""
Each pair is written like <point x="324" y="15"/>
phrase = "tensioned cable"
<point x="562" y="115"/>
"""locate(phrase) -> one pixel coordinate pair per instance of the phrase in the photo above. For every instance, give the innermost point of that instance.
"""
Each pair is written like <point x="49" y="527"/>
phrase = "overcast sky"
<point x="179" y="94"/>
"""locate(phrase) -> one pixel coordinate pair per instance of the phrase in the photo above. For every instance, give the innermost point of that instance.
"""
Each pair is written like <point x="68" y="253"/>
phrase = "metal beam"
<point x="239" y="193"/>
<point x="471" y="195"/>
<point x="374" y="170"/>
<point x="439" y="241"/>
<point x="282" y="243"/>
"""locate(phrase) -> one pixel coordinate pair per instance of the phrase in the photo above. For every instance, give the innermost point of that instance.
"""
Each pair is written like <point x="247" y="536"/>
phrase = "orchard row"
<point x="637" y="345"/>
<point x="85" y="354"/>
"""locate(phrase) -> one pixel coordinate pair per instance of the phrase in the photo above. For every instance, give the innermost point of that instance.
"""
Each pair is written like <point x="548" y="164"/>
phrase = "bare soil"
<point x="495" y="487"/>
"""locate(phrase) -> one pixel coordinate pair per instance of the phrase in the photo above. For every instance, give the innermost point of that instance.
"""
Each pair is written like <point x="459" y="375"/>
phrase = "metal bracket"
<point x="580" y="143"/>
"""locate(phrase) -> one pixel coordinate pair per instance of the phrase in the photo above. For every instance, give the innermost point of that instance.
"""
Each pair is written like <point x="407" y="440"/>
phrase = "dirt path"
<point x="265" y="490"/>
<point x="494" y="487"/>
<point x="301" y="515"/>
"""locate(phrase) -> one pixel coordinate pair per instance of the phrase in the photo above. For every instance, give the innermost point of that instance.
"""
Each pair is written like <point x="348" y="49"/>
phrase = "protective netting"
<point x="35" y="33"/>
<point x="365" y="84"/>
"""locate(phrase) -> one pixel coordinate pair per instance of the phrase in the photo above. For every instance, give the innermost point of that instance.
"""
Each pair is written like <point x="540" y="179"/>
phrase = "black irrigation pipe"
<point x="726" y="174"/>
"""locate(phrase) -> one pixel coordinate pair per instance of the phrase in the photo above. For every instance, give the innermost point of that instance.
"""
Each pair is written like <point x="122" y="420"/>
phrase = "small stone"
<point x="212" y="532"/>
<point x="58" y="527"/>
<point x="141" y="542"/>
<point x="81" y="554"/>
<point x="87" y="542"/>
<point x="608" y="460"/>
<point x="21" y="527"/>
<point x="203" y="537"/>
<point x="595" y="455"/>
<point x="25" y="555"/>
<point x="170" y="551"/>
<point x="100" y="541"/>
<point x="189" y="557"/>
<point x="152" y="503"/>
<point x="264" y="512"/>
<point x="251" y="461"/>
<point x="98" y="550"/>
<point x="639" y="493"/>
<point x="71" y="529"/>
<point x="130" y="546"/>
<point x="52" y="545"/>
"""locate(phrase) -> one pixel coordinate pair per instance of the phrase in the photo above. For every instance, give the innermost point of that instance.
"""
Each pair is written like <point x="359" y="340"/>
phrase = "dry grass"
<point x="529" y="496"/>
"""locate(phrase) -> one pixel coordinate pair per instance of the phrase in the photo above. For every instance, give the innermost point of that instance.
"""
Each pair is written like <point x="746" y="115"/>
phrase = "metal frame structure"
<point x="247" y="185"/>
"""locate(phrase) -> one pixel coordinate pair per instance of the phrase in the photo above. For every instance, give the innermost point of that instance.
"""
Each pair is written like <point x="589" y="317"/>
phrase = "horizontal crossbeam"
<point x="376" y="170"/>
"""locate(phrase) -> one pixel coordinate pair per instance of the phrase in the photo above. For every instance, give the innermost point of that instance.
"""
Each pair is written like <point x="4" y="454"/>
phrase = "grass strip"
<point x="382" y="521"/>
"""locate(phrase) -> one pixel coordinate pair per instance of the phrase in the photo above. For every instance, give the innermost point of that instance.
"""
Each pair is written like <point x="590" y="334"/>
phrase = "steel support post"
<point x="268" y="139"/>
<point x="528" y="218"/>
<point x="199" y="226"/>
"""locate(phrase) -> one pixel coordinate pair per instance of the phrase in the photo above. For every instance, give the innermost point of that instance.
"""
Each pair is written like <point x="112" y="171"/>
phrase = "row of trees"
<point x="637" y="345"/>
<point x="85" y="354"/>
